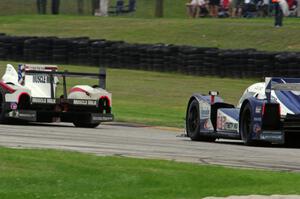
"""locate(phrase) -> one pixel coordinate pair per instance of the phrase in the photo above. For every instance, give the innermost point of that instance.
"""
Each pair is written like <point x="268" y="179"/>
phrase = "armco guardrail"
<point x="153" y="57"/>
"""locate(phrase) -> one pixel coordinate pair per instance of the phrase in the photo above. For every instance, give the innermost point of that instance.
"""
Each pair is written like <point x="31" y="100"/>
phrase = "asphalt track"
<point x="147" y="142"/>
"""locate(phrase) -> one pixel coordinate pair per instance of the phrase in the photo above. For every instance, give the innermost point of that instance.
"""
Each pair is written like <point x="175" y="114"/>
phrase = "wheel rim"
<point x="193" y="119"/>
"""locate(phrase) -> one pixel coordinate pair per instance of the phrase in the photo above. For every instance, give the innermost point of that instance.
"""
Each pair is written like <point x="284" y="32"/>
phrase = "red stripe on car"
<point x="76" y="89"/>
<point x="7" y="87"/>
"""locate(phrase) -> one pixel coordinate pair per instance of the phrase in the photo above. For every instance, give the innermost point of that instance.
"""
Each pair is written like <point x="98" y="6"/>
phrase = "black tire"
<point x="246" y="126"/>
<point x="2" y="108"/>
<point x="193" y="123"/>
<point x="86" y="125"/>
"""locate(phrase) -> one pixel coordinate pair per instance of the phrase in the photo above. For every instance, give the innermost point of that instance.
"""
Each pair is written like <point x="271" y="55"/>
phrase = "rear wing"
<point x="52" y="72"/>
<point x="282" y="84"/>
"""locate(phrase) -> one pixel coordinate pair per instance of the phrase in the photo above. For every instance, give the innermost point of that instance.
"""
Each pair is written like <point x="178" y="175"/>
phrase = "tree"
<point x="159" y="8"/>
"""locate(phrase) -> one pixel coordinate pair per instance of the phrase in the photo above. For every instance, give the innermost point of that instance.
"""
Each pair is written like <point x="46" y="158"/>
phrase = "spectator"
<point x="249" y="8"/>
<point x="292" y="7"/>
<point x="281" y="8"/>
<point x="298" y="9"/>
<point x="225" y="4"/>
<point x="223" y="11"/>
<point x="203" y="8"/>
<point x="103" y="9"/>
<point x="55" y="7"/>
<point x="263" y="8"/>
<point x="119" y="6"/>
<point x="232" y="8"/>
<point x="240" y="6"/>
<point x="193" y="8"/>
<point x="41" y="6"/>
<point x="131" y="5"/>
<point x="214" y="7"/>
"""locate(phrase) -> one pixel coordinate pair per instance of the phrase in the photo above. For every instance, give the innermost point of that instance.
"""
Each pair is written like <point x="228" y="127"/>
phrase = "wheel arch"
<point x="255" y="113"/>
<point x="24" y="100"/>
<point x="253" y="104"/>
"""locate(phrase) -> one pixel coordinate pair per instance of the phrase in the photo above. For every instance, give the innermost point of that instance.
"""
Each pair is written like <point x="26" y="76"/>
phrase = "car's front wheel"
<point x="193" y="123"/>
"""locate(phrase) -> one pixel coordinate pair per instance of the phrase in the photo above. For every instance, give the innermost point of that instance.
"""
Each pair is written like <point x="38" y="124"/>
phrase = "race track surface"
<point x="146" y="142"/>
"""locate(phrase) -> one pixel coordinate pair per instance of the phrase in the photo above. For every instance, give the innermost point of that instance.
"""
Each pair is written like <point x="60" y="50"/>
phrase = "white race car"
<point x="267" y="112"/>
<point x="29" y="95"/>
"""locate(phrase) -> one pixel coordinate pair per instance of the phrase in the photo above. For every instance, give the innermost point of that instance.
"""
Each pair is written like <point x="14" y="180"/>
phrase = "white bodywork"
<point x="10" y="77"/>
<point x="38" y="85"/>
<point x="88" y="92"/>
<point x="258" y="90"/>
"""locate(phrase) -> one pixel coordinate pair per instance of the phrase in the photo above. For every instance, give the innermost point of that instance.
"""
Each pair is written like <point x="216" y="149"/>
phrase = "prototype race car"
<point x="267" y="112"/>
<point x="29" y="95"/>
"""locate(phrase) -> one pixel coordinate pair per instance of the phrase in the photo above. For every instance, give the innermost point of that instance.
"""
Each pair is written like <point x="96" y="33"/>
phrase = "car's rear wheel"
<point x="193" y="123"/>
<point x="2" y="108"/>
<point x="86" y="125"/>
<point x="246" y="126"/>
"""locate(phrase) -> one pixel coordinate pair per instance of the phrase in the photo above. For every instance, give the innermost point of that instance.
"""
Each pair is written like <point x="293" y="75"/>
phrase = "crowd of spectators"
<point x="237" y="8"/>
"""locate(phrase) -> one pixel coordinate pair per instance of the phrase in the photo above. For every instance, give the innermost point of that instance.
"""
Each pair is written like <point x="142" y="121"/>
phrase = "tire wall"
<point x="237" y="63"/>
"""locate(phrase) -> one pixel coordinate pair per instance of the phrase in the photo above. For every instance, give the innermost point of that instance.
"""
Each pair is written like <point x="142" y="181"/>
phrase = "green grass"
<point x="54" y="174"/>
<point x="145" y="8"/>
<point x="156" y="98"/>
<point x="223" y="33"/>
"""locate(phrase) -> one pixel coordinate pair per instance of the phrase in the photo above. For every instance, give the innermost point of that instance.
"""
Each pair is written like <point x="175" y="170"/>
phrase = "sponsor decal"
<point x="93" y="103"/>
<point x="258" y="109"/>
<point x="256" y="128"/>
<point x="85" y="102"/>
<point x="204" y="110"/>
<point x="51" y="101"/>
<point x="42" y="79"/>
<point x="14" y="114"/>
<point x="13" y="106"/>
<point x="43" y="100"/>
<point x="225" y="123"/>
<point x="80" y="102"/>
<point x="17" y="114"/>
<point x="101" y="118"/>
<point x="257" y="119"/>
<point x="27" y="115"/>
<point x="230" y="126"/>
<point x="206" y="124"/>
<point x="221" y="122"/>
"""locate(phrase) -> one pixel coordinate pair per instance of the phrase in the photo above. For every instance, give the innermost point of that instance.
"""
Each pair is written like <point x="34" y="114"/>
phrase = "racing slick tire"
<point x="193" y="123"/>
<point x="86" y="125"/>
<point x="246" y="126"/>
<point x="2" y="107"/>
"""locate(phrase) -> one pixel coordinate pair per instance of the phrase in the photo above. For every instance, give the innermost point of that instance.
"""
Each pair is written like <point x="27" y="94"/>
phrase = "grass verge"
<point x="223" y="33"/>
<point x="155" y="98"/>
<point x="55" y="174"/>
